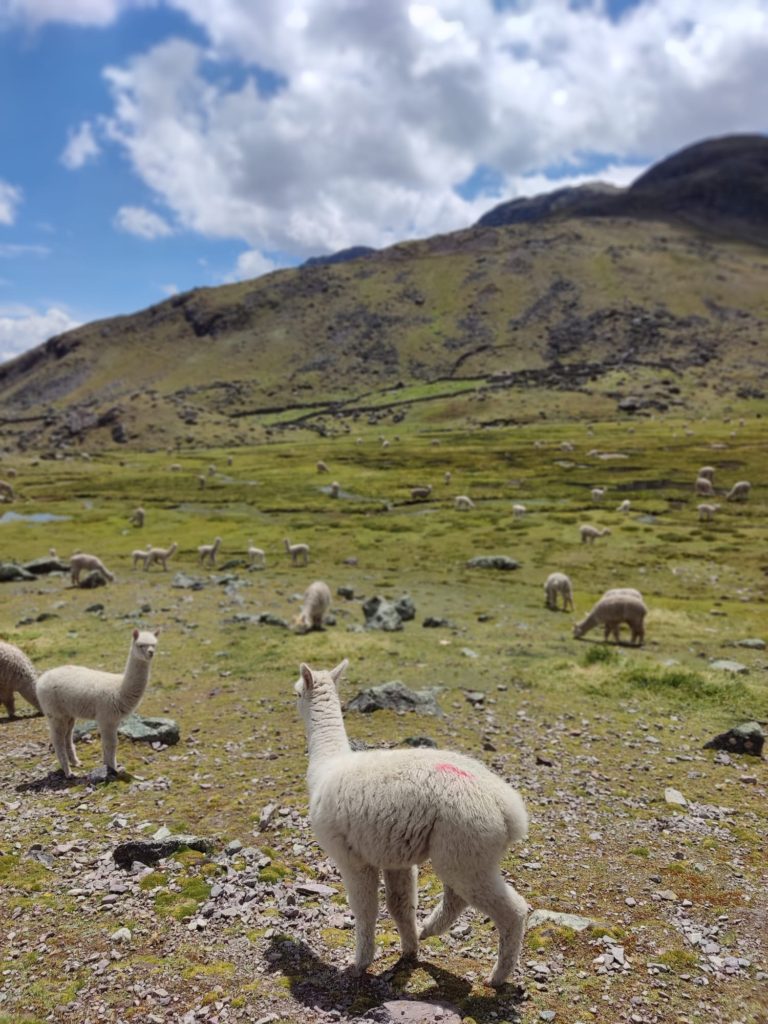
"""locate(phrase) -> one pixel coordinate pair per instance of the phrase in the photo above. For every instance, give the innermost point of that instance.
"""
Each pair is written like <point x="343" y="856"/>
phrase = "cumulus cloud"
<point x="136" y="220"/>
<point x="251" y="263"/>
<point x="80" y="148"/>
<point x="353" y="123"/>
<point x="22" y="327"/>
<point x="10" y="197"/>
<point x="73" y="12"/>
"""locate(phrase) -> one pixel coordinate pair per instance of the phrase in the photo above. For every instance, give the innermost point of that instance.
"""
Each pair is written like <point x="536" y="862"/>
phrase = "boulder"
<point x="9" y="573"/>
<point x="92" y="581"/>
<point x="150" y="851"/>
<point x="492" y="562"/>
<point x="138" y="728"/>
<point x="395" y="696"/>
<point x="382" y="614"/>
<point x="42" y="566"/>
<point x="726" y="665"/>
<point x="747" y="738"/>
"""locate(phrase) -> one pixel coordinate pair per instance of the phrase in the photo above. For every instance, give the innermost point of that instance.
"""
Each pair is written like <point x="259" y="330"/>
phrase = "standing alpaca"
<point x="136" y="517"/>
<point x="589" y="532"/>
<point x="297" y="551"/>
<point x="207" y="552"/>
<point x="160" y="556"/>
<point x="395" y="809"/>
<point x="89" y="563"/>
<point x="557" y="583"/>
<point x="7" y="492"/>
<point x="256" y="555"/>
<point x="315" y="605"/>
<point x="141" y="555"/>
<point x="17" y="675"/>
<point x="71" y="692"/>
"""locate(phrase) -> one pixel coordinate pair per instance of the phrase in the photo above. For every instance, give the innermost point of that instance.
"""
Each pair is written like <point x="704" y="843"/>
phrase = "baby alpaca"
<point x="256" y="555"/>
<point x="707" y="512"/>
<point x="207" y="552"/>
<point x="391" y="810"/>
<point x="463" y="503"/>
<point x="614" y="608"/>
<point x="17" y="675"/>
<point x="317" y="601"/>
<point x="160" y="556"/>
<point x="589" y="532"/>
<point x="297" y="551"/>
<point x="141" y="555"/>
<point x="71" y="692"/>
<point x="625" y="506"/>
<point x="89" y="563"/>
<point x="739" y="491"/>
<point x="557" y="583"/>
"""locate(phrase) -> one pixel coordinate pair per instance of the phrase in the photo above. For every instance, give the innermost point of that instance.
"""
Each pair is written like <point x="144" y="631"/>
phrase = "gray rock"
<point x="474" y="697"/>
<point x="492" y="562"/>
<point x="726" y="665"/>
<point x="138" y="728"/>
<point x="268" y="619"/>
<point x="382" y="614"/>
<point x="419" y="741"/>
<point x="347" y="592"/>
<point x="150" y="851"/>
<point x="395" y="696"/>
<point x="97" y="607"/>
<point x="9" y="573"/>
<point x="315" y="889"/>
<point x="576" y="922"/>
<point x="752" y="644"/>
<point x="42" y="856"/>
<point x="42" y="566"/>
<point x="432" y="623"/>
<point x="92" y="581"/>
<point x="184" y="582"/>
<point x="747" y="738"/>
<point x="405" y="607"/>
<point x="413" y="1011"/>
<point x="674" y="797"/>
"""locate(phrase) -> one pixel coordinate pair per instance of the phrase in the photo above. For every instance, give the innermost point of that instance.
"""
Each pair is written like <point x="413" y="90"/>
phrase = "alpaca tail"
<point x="515" y="815"/>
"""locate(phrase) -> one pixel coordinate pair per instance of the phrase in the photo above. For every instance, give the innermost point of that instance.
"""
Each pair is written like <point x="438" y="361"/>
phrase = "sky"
<point x="152" y="146"/>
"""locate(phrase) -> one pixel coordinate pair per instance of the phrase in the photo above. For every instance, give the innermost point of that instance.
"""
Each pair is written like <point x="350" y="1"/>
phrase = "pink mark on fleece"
<point x="443" y="767"/>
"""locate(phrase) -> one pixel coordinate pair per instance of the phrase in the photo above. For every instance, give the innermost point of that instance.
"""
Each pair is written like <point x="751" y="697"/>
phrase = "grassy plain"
<point x="590" y="733"/>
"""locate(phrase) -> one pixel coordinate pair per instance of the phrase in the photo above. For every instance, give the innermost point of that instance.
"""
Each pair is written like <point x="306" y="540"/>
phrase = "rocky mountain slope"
<point x="635" y="307"/>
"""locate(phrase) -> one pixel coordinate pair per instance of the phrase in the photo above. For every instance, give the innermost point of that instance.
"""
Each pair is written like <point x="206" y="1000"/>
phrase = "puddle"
<point x="32" y="517"/>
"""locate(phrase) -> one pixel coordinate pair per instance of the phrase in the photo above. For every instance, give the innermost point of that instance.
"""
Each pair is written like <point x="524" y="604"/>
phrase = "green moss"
<point x="222" y="968"/>
<point x="152" y="880"/>
<point x="681" y="960"/>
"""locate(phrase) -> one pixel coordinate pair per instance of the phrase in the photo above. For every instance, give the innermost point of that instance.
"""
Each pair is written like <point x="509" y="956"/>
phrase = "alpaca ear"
<point x="306" y="674"/>
<point x="158" y="631"/>
<point x="337" y="672"/>
<point x="135" y="634"/>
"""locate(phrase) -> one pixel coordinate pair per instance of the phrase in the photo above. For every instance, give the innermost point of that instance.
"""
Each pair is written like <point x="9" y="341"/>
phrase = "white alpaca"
<point x="211" y="470"/>
<point x="625" y="506"/>
<point x="463" y="502"/>
<point x="447" y="476"/>
<point x="207" y="552"/>
<point x="256" y="555"/>
<point x="17" y="675"/>
<point x="614" y="608"/>
<point x="707" y="512"/>
<point x="739" y="491"/>
<point x="160" y="556"/>
<point x="141" y="555"/>
<point x="334" y="489"/>
<point x="421" y="492"/>
<point x="321" y="467"/>
<point x="557" y="583"/>
<point x="598" y="493"/>
<point x="518" y="511"/>
<point x="703" y="487"/>
<point x="201" y="482"/>
<point x="297" y="551"/>
<point x="589" y="533"/>
<point x="175" y="467"/>
<point x="71" y="691"/>
<point x="391" y="810"/>
<point x="315" y="605"/>
<point x="566" y="446"/>
<point x="708" y="472"/>
<point x="7" y="492"/>
<point x="137" y="517"/>
<point x="88" y="563"/>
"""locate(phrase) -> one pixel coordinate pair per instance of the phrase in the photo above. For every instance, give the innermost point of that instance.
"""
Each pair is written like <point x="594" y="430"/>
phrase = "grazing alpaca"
<point x="317" y="601"/>
<point x="297" y="551"/>
<point x="207" y="552"/>
<point x="625" y="506"/>
<point x="321" y="467"/>
<point x="395" y="809"/>
<point x="558" y="584"/>
<point x="89" y="563"/>
<point x="739" y="491"/>
<point x="707" y="512"/>
<point x="71" y="691"/>
<point x="518" y="511"/>
<point x="703" y="487"/>
<point x="420" y="493"/>
<point x="136" y="517"/>
<point x="160" y="556"/>
<point x="17" y="675"/>
<point x="614" y="608"/>
<point x="463" y="502"/>
<point x="256" y="555"/>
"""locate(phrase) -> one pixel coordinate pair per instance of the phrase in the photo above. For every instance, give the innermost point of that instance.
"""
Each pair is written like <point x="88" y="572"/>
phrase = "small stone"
<point x="575" y="922"/>
<point x="727" y="665"/>
<point x="315" y="889"/>
<point x="674" y="797"/>
<point x="630" y="901"/>
<point x="235" y="846"/>
<point x="667" y="894"/>
<point x="121" y="935"/>
<point x="267" y="813"/>
<point x="547" y="1015"/>
<point x="749" y="780"/>
<point x="752" y="644"/>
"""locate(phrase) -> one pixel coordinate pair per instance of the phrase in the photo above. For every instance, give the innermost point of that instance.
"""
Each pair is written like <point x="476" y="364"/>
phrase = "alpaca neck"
<point x="135" y="679"/>
<point x="326" y="733"/>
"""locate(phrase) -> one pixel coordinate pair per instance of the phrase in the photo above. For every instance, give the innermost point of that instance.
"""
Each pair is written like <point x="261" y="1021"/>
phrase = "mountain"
<point x="720" y="185"/>
<point x="563" y="313"/>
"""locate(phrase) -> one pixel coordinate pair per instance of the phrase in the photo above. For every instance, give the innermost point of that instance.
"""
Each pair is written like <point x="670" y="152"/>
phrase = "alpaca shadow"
<point x="56" y="780"/>
<point x="316" y="983"/>
<point x="7" y="720"/>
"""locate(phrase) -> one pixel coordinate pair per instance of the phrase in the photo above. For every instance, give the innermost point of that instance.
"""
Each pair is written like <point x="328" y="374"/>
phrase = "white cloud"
<point x="376" y="112"/>
<point x="22" y="328"/>
<point x="75" y="12"/>
<point x="169" y="289"/>
<point x="12" y="250"/>
<point x="251" y="263"/>
<point x="10" y="197"/>
<point x="80" y="148"/>
<point x="136" y="220"/>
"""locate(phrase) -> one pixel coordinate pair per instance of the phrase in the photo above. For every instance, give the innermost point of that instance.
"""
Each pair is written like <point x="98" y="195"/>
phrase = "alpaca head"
<point x="145" y="644"/>
<point x="311" y="684"/>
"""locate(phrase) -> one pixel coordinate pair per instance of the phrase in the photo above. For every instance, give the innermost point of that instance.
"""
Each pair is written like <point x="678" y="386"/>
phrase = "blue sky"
<point x="151" y="146"/>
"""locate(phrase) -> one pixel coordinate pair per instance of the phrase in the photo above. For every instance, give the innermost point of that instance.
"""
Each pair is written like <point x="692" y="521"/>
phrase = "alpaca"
<point x="708" y="473"/>
<point x="463" y="503"/>
<point x="297" y="551"/>
<point x="707" y="512"/>
<point x="7" y="492"/>
<point x="739" y="491"/>
<point x="256" y="555"/>
<point x="421" y="492"/>
<point x="447" y="476"/>
<point x="518" y="511"/>
<point x="393" y="810"/>
<point x="703" y="487"/>
<point x="136" y="517"/>
<point x="614" y="608"/>
<point x="321" y="467"/>
<point x="201" y="482"/>
<point x="89" y="563"/>
<point x="598" y="493"/>
<point x="141" y="555"/>
<point x="17" y="675"/>
<point x="207" y="552"/>
<point x="588" y="533"/>
<point x="625" y="506"/>
<point x="334" y="489"/>
<point x="71" y="691"/>
<point x="160" y="556"/>
<point x="317" y="601"/>
<point x="557" y="583"/>
<point x="211" y="470"/>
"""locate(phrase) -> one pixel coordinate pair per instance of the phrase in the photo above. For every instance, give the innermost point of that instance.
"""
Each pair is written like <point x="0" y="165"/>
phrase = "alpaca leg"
<point x="73" y="758"/>
<point x="361" y="885"/>
<point x="10" y="703"/>
<point x="400" y="887"/>
<point x="108" y="732"/>
<point x="508" y="910"/>
<point x="444" y="914"/>
<point x="59" y="741"/>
